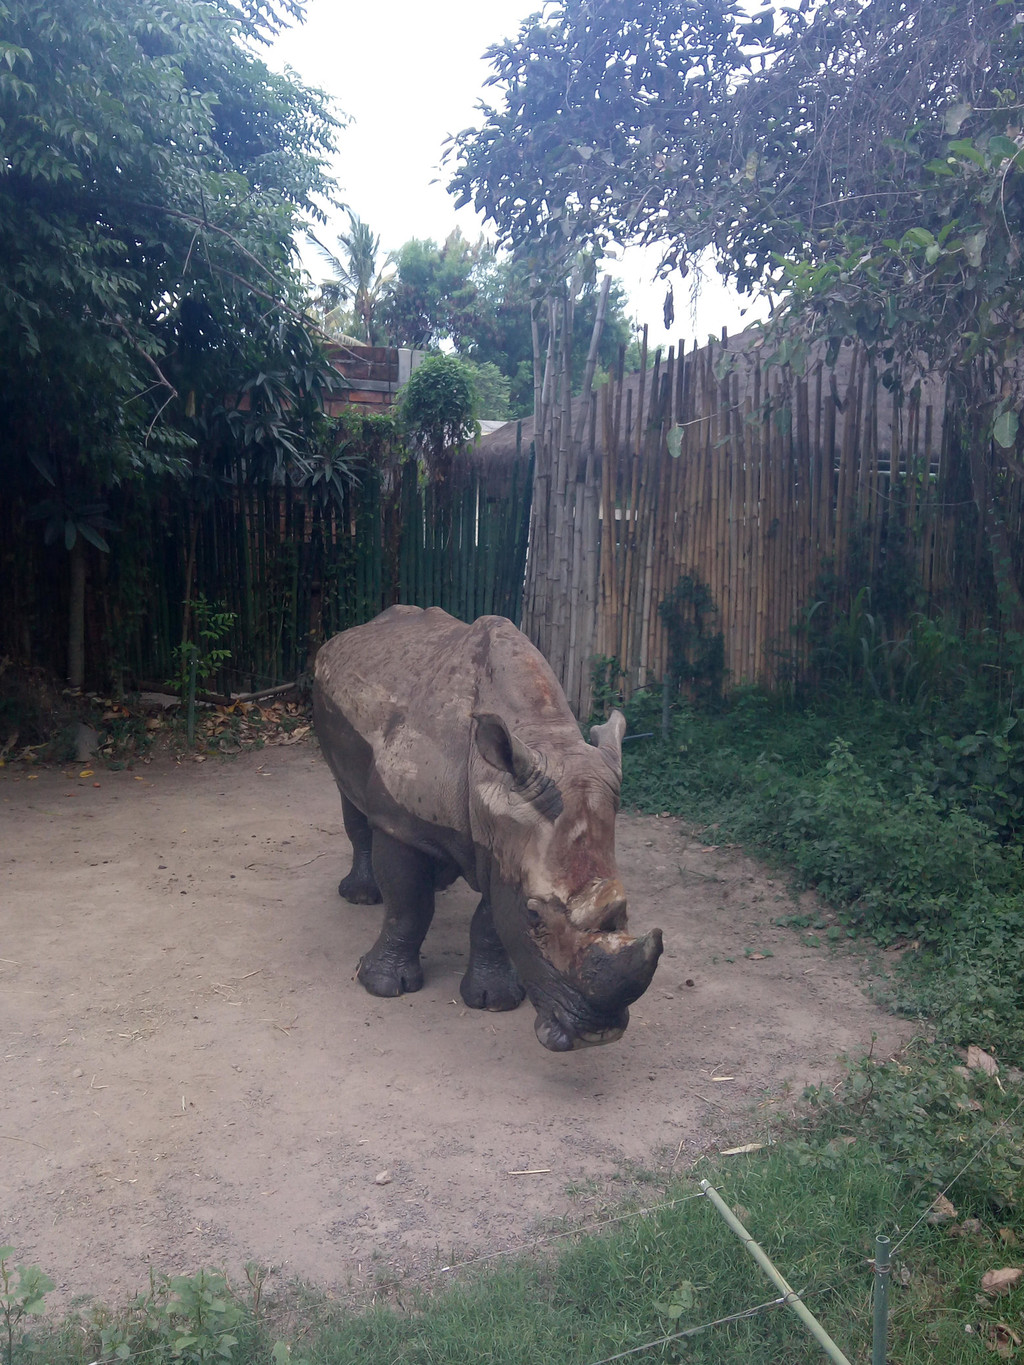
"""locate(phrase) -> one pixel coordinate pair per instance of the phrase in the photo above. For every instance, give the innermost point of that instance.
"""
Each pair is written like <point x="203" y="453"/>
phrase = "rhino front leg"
<point x="406" y="878"/>
<point x="491" y="982"/>
<point x="360" y="886"/>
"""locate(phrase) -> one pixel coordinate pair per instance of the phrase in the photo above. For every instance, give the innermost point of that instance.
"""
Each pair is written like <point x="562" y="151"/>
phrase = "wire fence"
<point x="588" y="1229"/>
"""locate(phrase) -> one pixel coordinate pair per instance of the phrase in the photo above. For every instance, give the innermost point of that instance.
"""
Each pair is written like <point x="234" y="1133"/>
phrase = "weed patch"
<point x="911" y="848"/>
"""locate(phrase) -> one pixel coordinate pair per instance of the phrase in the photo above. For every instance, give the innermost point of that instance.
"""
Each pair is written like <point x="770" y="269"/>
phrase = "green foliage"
<point x="491" y="392"/>
<point x="435" y="294"/>
<point x="155" y="170"/>
<point x="202" y="1318"/>
<point x="606" y="677"/>
<point x="338" y="448"/>
<point x="899" y="864"/>
<point x="23" y="1290"/>
<point x="195" y="1319"/>
<point x="485" y="305"/>
<point x="200" y="658"/>
<point x="359" y="278"/>
<point x="861" y="161"/>
<point x="969" y="982"/>
<point x="907" y="818"/>
<point x="597" y="122"/>
<point x="436" y="409"/>
<point x="924" y="1114"/>
<point x="696" y="651"/>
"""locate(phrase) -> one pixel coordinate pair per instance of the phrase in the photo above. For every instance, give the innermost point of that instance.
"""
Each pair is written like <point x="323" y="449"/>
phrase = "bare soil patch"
<point x="192" y="1077"/>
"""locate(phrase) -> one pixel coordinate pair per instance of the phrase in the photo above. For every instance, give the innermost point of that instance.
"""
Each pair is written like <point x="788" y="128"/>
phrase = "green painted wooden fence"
<point x="294" y="571"/>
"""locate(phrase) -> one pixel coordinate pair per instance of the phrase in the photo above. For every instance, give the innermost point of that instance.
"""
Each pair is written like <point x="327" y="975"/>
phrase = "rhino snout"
<point x="556" y="1037"/>
<point x="614" y="971"/>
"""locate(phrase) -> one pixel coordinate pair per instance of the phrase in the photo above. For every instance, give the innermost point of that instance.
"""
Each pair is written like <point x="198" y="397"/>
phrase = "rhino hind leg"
<point x="491" y="981"/>
<point x="360" y="886"/>
<point x="406" y="879"/>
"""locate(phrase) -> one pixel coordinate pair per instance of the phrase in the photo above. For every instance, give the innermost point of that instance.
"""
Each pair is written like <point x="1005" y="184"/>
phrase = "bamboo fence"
<point x="762" y="484"/>
<point x="560" y="599"/>
<point x="293" y="571"/>
<point x="755" y="481"/>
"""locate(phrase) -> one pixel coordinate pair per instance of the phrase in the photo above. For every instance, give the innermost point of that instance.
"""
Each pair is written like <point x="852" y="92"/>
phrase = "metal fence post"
<point x="880" y="1328"/>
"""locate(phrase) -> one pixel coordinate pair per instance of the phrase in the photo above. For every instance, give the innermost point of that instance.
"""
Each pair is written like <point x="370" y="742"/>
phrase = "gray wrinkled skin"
<point x="456" y="754"/>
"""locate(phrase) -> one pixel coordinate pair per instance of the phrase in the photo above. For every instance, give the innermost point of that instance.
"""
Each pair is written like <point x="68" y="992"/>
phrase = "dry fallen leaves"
<point x="1000" y="1281"/>
<point x="970" y="1227"/>
<point x="979" y="1060"/>
<point x="940" y="1210"/>
<point x="1002" y="1339"/>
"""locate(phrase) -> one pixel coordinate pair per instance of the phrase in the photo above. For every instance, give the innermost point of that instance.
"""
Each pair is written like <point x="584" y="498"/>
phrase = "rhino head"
<point x="543" y="822"/>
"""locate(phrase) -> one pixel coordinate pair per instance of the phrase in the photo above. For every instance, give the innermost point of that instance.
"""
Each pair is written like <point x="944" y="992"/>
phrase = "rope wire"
<point x="999" y="1128"/>
<point x="695" y="1331"/>
<point x="582" y="1229"/>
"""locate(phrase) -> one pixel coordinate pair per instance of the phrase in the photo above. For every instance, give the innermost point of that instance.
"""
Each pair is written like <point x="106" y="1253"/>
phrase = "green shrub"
<point x="925" y="1114"/>
<point x="909" y="829"/>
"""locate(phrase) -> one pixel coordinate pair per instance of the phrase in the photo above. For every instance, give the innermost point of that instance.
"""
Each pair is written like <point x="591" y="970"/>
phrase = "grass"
<point x="814" y="1201"/>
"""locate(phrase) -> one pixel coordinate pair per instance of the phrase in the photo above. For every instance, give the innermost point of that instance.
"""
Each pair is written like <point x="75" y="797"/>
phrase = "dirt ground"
<point x="192" y="1077"/>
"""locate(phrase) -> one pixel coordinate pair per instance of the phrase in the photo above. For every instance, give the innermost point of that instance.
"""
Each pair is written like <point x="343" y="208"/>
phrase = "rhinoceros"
<point x="456" y="754"/>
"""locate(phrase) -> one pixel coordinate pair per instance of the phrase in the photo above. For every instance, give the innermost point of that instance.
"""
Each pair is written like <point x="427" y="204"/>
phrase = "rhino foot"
<point x="389" y="977"/>
<point x="494" y="989"/>
<point x="359" y="890"/>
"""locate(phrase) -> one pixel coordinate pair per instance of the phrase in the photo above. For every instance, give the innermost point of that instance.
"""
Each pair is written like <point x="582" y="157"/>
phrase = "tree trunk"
<point x="76" y="617"/>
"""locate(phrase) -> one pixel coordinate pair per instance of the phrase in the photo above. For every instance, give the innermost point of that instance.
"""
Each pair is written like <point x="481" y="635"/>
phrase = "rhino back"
<point x="393" y="713"/>
<point x="395" y="700"/>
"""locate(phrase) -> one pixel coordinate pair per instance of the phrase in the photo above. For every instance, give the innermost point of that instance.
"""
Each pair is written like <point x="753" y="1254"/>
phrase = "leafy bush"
<point x="436" y="408"/>
<point x="969" y="983"/>
<point x="898" y="863"/>
<point x="924" y="1114"/>
<point x="907" y="826"/>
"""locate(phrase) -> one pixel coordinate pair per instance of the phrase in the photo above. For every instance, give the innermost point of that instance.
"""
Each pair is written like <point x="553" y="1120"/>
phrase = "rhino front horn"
<point x="616" y="970"/>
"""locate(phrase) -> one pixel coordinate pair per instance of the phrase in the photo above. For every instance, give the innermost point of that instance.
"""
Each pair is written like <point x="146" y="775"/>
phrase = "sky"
<point x="409" y="74"/>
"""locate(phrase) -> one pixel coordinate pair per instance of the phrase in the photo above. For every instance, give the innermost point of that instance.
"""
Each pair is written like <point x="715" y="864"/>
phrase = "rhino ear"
<point x="500" y="747"/>
<point x="494" y="741"/>
<point x="608" y="738"/>
<point x="505" y="751"/>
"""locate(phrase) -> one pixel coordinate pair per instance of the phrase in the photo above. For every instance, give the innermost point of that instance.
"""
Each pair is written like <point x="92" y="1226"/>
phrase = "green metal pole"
<point x="792" y="1298"/>
<point x="880" y="1330"/>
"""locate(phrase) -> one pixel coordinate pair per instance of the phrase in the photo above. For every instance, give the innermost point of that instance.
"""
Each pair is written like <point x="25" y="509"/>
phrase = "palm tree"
<point x="357" y="277"/>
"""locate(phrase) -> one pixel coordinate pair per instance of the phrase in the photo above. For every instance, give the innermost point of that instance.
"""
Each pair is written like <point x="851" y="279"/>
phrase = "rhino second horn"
<point x="601" y="908"/>
<point x="614" y="973"/>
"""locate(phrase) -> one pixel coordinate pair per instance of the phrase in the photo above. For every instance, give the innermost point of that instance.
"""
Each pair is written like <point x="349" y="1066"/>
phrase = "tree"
<point x="434" y="296"/>
<point x="594" y="100"/>
<point x="436" y="409"/>
<point x="152" y="173"/>
<point x="860" y="160"/>
<point x="824" y="136"/>
<point x="481" y="303"/>
<point x="357" y="277"/>
<point x="490" y="392"/>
